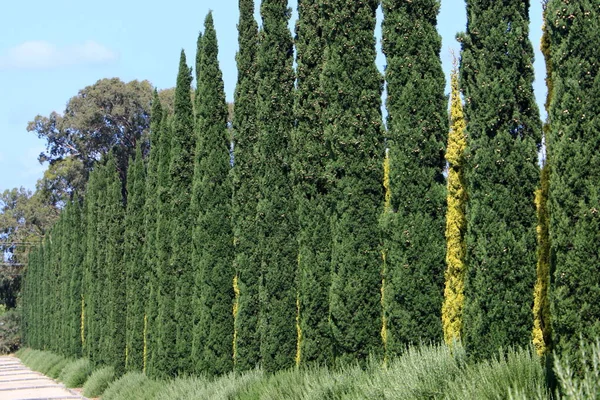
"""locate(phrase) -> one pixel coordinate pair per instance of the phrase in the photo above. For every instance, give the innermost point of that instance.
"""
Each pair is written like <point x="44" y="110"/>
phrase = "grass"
<point x="75" y="373"/>
<point x="580" y="380"/>
<point x="98" y="382"/>
<point x="518" y="373"/>
<point x="426" y="372"/>
<point x="133" y="386"/>
<point x="55" y="370"/>
<point x="45" y="362"/>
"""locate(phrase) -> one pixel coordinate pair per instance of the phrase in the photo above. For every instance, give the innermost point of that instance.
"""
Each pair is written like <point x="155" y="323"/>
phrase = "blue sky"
<point x="52" y="49"/>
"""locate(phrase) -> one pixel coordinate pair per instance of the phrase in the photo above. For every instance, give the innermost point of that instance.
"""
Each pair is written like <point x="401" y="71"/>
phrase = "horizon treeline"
<point x="310" y="232"/>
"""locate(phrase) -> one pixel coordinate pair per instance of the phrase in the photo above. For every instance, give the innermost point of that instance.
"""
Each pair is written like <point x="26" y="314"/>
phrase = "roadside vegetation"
<point x="423" y="372"/>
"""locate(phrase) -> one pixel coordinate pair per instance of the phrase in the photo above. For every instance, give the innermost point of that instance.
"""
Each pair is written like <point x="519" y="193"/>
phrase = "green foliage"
<point x="152" y="206"/>
<point x="310" y="191"/>
<point x="542" y="330"/>
<point x="246" y="342"/>
<point x="180" y="268"/>
<point x="113" y="336"/>
<point x="275" y="213"/>
<point x="580" y="379"/>
<point x="10" y="331"/>
<point x="134" y="262"/>
<point x="456" y="221"/>
<point x="98" y="382"/>
<point x="212" y="236"/>
<point x="417" y="133"/>
<point x="24" y="218"/>
<point x="426" y="372"/>
<point x="133" y="386"/>
<point x="43" y="361"/>
<point x="55" y="370"/>
<point x="175" y="327"/>
<point x="61" y="182"/>
<point x="75" y="373"/>
<point x="519" y="372"/>
<point x="159" y="294"/>
<point x="432" y="372"/>
<point x="351" y="87"/>
<point x="504" y="134"/>
<point x="91" y="330"/>
<point x="574" y="198"/>
<point x="89" y="129"/>
<point x="74" y="278"/>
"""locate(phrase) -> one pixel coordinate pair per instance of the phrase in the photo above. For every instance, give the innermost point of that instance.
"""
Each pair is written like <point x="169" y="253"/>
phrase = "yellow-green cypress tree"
<point x="542" y="330"/>
<point x="541" y="307"/>
<point x="456" y="221"/>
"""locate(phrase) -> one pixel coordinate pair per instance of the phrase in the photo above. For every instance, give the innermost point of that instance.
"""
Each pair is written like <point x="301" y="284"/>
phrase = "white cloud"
<point x="45" y="55"/>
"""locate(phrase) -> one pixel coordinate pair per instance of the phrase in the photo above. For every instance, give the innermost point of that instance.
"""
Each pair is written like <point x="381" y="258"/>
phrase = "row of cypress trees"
<point x="322" y="239"/>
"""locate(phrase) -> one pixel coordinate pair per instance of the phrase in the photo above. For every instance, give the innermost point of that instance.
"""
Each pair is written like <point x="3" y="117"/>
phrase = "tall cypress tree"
<point x="417" y="135"/>
<point x="456" y="221"/>
<point x="102" y="283"/>
<point x="352" y="86"/>
<point x="76" y="259"/>
<point x="183" y="143"/>
<point x="63" y="280"/>
<point x="311" y="190"/>
<point x="158" y="346"/>
<point x="115" y="277"/>
<point x="150" y="222"/>
<point x="135" y="263"/>
<point x="175" y="324"/>
<point x="542" y="327"/>
<point x="246" y="341"/>
<point x="275" y="212"/>
<point x="56" y="288"/>
<point x="542" y="332"/>
<point x="47" y="294"/>
<point x="575" y="170"/>
<point x="92" y="288"/>
<point x="504" y="133"/>
<point x="212" y="256"/>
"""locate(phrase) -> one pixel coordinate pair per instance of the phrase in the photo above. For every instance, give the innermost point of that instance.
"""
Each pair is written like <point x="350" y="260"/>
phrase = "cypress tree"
<point x="55" y="303"/>
<point x="175" y="325"/>
<point x="542" y="329"/>
<point x="135" y="263"/>
<point x="95" y="263"/>
<point x="351" y="86"/>
<point x="504" y="133"/>
<point x="91" y="209"/>
<point x="76" y="259"/>
<point x="575" y="171"/>
<point x="115" y="277"/>
<point x="102" y="289"/>
<point x="276" y="224"/>
<point x="157" y="347"/>
<point x="456" y="222"/>
<point x="417" y="134"/>
<point x="182" y="221"/>
<point x="212" y="256"/>
<point x="63" y="280"/>
<point x="38" y="306"/>
<point x="311" y="190"/>
<point x="246" y="341"/>
<point x="28" y="296"/>
<point x="45" y="293"/>
<point x="542" y="333"/>
<point x="150" y="218"/>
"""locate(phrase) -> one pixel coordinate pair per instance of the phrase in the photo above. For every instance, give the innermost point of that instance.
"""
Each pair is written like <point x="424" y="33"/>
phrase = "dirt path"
<point x="17" y="382"/>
